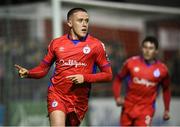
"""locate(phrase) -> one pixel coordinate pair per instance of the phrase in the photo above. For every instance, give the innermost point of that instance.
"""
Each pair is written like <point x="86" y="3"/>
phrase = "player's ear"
<point x="69" y="23"/>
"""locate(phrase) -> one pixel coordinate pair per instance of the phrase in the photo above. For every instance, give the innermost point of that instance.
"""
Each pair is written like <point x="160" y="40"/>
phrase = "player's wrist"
<point x="118" y="98"/>
<point x="85" y="77"/>
<point x="166" y="111"/>
<point x="29" y="73"/>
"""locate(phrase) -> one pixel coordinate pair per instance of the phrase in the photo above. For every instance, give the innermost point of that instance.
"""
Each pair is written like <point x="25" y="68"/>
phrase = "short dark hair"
<point x="74" y="10"/>
<point x="151" y="39"/>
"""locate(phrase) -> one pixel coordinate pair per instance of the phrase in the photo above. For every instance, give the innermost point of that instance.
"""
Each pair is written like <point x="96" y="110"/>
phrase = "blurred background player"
<point x="144" y="74"/>
<point x="75" y="55"/>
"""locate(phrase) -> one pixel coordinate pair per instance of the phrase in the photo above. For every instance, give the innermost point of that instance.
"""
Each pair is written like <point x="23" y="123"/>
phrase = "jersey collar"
<point x="77" y="41"/>
<point x="148" y="64"/>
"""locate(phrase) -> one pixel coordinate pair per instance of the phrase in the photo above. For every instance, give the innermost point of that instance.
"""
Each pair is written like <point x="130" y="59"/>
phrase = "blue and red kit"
<point x="73" y="57"/>
<point x="142" y="89"/>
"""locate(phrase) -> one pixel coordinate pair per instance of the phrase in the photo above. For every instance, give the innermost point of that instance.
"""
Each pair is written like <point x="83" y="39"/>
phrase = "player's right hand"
<point x="76" y="79"/>
<point x="166" y="115"/>
<point x="23" y="72"/>
<point x="120" y="101"/>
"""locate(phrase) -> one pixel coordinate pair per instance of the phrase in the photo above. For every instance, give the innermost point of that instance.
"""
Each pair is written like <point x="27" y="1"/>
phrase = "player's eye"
<point x="80" y="20"/>
<point x="86" y="20"/>
<point x="152" y="48"/>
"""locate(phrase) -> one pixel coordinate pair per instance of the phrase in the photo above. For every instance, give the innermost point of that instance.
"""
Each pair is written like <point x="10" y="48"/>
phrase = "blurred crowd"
<point x="28" y="53"/>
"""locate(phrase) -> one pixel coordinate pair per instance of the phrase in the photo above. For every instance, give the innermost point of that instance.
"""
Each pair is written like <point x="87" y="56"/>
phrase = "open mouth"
<point x="84" y="30"/>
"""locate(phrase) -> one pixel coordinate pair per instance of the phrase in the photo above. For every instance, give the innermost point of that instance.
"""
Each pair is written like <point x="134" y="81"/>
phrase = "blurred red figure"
<point x="144" y="74"/>
<point x="75" y="55"/>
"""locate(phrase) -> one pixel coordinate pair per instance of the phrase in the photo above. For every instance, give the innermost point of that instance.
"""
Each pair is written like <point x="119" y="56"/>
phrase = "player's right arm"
<point x="23" y="72"/>
<point x="117" y="84"/>
<point x="42" y="69"/>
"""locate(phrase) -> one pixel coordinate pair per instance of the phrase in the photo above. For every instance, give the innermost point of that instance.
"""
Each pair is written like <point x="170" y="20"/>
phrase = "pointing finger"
<point x="17" y="67"/>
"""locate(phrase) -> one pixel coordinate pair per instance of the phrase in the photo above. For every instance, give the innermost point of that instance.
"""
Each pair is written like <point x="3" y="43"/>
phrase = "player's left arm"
<point x="104" y="75"/>
<point x="166" y="96"/>
<point x="104" y="65"/>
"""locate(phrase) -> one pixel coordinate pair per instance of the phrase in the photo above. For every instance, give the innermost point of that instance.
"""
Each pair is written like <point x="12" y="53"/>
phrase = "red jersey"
<point x="71" y="59"/>
<point x="143" y="83"/>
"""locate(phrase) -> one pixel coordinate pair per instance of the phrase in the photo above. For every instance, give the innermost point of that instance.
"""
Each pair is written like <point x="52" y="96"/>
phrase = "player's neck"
<point x="151" y="61"/>
<point x="75" y="37"/>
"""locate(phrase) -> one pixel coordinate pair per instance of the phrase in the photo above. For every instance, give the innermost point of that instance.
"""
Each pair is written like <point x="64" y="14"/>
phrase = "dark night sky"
<point x="15" y="2"/>
<point x="171" y="3"/>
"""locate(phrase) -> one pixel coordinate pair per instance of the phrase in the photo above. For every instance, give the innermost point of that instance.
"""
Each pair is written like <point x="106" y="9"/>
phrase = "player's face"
<point x="78" y="23"/>
<point x="149" y="51"/>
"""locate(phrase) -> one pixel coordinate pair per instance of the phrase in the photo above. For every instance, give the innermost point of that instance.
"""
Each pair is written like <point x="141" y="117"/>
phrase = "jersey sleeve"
<point x="43" y="68"/>
<point x="50" y="56"/>
<point x="103" y="63"/>
<point x="117" y="83"/>
<point x="166" y="91"/>
<point x="102" y="59"/>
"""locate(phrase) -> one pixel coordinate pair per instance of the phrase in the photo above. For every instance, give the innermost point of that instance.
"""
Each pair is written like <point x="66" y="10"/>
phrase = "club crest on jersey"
<point x="86" y="50"/>
<point x="54" y="104"/>
<point x="136" y="69"/>
<point x="156" y="73"/>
